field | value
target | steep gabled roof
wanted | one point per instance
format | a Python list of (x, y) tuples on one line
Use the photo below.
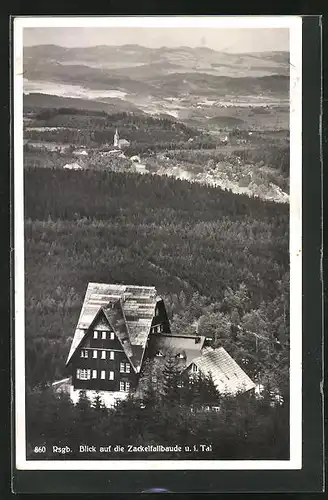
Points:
[(128, 309), (227, 375)]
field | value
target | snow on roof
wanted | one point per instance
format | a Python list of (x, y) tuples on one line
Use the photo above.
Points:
[(228, 376)]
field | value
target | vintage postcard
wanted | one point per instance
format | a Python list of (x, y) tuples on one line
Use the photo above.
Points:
[(157, 213)]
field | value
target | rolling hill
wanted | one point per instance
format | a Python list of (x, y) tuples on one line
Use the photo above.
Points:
[(179, 59)]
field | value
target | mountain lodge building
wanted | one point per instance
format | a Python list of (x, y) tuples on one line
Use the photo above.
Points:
[(119, 327)]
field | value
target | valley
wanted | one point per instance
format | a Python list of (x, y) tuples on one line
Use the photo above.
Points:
[(234, 107)]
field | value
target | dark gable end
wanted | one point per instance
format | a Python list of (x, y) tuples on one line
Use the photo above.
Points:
[(130, 312)]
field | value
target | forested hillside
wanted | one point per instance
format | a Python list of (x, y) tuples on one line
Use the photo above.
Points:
[(216, 257)]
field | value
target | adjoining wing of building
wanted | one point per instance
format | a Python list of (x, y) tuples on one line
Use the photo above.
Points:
[(227, 375), (119, 327)]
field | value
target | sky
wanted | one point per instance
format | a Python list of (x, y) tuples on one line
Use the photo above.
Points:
[(236, 40)]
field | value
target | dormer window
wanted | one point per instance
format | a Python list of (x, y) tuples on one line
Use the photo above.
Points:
[(194, 368), (180, 355), (159, 354)]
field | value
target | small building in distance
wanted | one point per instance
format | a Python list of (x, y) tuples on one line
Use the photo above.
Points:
[(135, 159), (223, 137), (80, 152), (140, 168), (120, 143), (73, 166), (119, 328), (123, 143)]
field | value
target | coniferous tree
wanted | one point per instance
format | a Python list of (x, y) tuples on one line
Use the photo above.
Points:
[(171, 380), (98, 403)]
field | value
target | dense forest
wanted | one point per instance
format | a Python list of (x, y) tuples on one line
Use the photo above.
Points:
[(217, 258), (94, 128), (175, 417)]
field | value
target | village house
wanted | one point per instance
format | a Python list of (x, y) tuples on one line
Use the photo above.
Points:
[(80, 152), (119, 328), (73, 166), (116, 148)]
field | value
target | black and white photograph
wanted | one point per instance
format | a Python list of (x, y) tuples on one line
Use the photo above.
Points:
[(157, 178)]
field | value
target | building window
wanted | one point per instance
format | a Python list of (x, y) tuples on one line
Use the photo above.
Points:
[(103, 335), (94, 354), (102, 374), (159, 354), (84, 353), (180, 356), (112, 335), (111, 375), (94, 373), (103, 354), (95, 334), (124, 367), (124, 386), (83, 374), (194, 368), (111, 355)]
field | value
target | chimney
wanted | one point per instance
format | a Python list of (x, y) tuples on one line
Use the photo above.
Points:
[(195, 325)]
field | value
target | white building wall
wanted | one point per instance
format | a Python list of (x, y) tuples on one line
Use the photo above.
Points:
[(108, 398)]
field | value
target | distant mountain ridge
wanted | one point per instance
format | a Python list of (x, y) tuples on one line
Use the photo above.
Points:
[(199, 59), (184, 82)]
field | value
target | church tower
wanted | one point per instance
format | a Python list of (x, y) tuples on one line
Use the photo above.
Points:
[(116, 140)]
